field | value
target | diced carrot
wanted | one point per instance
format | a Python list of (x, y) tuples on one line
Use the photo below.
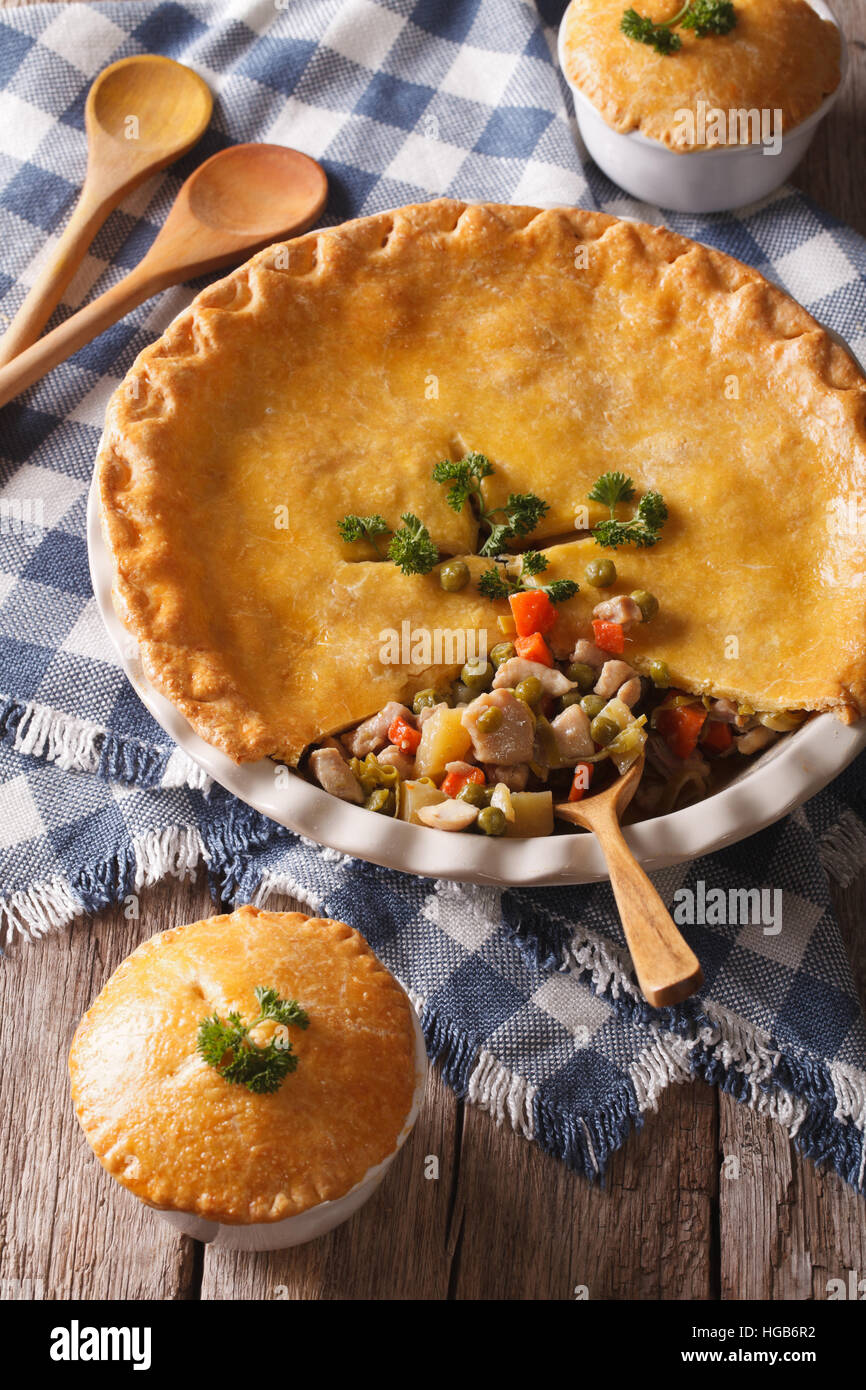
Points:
[(532, 611), (454, 782), (403, 735), (680, 728), (717, 736), (580, 784), (533, 648), (610, 637)]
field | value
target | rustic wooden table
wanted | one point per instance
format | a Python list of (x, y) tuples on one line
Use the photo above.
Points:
[(504, 1221)]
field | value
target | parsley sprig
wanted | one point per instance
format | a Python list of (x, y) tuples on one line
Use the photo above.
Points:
[(703, 17), (520, 515), (643, 529), (497, 583), (411, 547), (225, 1044)]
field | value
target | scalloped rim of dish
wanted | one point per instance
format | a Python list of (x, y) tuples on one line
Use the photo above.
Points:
[(792, 770), (717, 152)]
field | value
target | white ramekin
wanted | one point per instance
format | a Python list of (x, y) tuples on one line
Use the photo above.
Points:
[(316, 1221), (696, 181)]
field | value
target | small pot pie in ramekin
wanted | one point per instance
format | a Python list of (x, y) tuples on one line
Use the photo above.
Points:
[(747, 101), (223, 1162)]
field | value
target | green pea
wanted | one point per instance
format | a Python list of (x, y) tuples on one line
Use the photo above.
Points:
[(489, 720), (571, 697), (503, 651), (592, 705), (425, 699), (659, 674), (529, 690), (462, 694), (477, 675), (491, 821), (583, 675), (475, 794), (381, 800), (454, 575), (601, 573), (647, 603), (603, 730)]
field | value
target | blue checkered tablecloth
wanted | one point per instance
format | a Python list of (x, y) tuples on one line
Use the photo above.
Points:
[(526, 996)]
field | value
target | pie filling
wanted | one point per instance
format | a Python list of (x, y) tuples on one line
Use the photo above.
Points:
[(521, 731)]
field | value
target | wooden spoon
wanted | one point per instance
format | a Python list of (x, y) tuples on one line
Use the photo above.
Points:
[(667, 969), (237, 202), (141, 114)]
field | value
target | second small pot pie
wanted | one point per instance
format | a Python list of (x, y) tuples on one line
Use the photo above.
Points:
[(780, 56), (168, 1125)]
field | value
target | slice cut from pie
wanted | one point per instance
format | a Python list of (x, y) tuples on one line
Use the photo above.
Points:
[(328, 376)]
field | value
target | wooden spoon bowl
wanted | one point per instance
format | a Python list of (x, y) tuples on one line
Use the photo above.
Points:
[(141, 114), (237, 202), (667, 969)]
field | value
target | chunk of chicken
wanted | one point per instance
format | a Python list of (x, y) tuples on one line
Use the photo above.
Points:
[(517, 669), (613, 675), (571, 731), (620, 609), (392, 756), (589, 654), (755, 740), (448, 815), (426, 711), (724, 710), (372, 735), (629, 693), (513, 741), (332, 772), (514, 777)]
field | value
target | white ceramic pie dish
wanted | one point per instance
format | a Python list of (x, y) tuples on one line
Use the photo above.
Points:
[(315, 1221), (700, 181), (770, 786)]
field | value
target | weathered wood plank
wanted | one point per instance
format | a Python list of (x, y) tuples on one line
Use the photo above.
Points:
[(832, 172), (531, 1229), (67, 1227), (787, 1228)]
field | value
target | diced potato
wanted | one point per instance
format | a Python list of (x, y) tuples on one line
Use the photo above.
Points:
[(414, 795), (533, 814), (443, 740)]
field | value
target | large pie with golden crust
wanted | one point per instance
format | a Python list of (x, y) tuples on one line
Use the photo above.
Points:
[(780, 56), (328, 376)]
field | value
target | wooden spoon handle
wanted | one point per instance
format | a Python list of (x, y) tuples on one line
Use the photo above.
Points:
[(74, 332), (667, 969), (44, 296)]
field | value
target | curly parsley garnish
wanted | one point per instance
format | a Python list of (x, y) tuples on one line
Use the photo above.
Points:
[(494, 583), (703, 17), (520, 515), (644, 528), (225, 1044), (411, 547)]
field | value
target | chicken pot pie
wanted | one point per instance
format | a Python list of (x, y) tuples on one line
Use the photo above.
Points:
[(242, 1137), (779, 56), (322, 383)]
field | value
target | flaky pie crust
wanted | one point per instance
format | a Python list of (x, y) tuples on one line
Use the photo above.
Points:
[(781, 55), (327, 376), (167, 1126)]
